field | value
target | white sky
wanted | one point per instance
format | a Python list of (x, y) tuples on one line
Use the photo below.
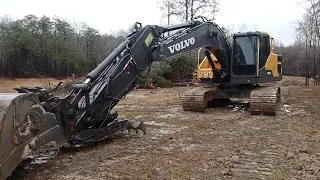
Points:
[(272, 16)]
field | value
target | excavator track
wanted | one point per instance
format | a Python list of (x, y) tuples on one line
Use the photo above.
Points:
[(264, 101), (196, 99)]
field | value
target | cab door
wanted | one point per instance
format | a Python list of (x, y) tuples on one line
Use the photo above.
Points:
[(264, 52)]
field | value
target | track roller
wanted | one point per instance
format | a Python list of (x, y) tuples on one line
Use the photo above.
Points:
[(264, 101), (197, 99)]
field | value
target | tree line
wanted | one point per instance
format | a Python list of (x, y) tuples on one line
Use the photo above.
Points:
[(302, 58), (186, 10), (52, 47)]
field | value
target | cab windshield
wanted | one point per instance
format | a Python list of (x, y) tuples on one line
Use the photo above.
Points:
[(244, 55)]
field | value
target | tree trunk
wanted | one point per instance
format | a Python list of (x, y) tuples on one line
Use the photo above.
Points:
[(191, 12), (187, 10)]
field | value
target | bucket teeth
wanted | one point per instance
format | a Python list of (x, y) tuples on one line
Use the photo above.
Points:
[(264, 101)]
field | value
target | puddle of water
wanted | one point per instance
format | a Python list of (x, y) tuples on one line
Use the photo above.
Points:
[(42, 158), (238, 107), (287, 108)]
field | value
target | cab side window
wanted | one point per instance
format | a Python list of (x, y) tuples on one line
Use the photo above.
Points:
[(264, 50)]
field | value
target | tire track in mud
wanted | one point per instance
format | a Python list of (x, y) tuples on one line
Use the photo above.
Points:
[(271, 147), (245, 147), (258, 158), (251, 147)]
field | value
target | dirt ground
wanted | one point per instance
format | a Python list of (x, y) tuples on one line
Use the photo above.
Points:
[(295, 81), (223, 143), (7, 85)]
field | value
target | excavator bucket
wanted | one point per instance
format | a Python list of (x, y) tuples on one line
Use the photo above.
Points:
[(24, 127)]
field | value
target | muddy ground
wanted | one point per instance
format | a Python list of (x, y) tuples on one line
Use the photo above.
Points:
[(223, 143), (7, 85)]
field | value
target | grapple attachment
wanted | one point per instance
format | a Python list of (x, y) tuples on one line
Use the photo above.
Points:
[(24, 127)]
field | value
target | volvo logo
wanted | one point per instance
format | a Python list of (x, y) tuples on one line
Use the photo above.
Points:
[(181, 45)]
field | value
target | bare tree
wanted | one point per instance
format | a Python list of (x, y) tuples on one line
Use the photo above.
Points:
[(187, 10), (308, 28), (228, 31), (243, 27), (169, 9)]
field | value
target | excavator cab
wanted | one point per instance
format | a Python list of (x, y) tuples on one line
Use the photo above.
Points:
[(253, 59)]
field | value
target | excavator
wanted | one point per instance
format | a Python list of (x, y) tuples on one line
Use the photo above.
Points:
[(250, 68), (34, 116)]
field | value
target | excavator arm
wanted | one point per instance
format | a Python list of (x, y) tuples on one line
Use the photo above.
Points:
[(86, 111), (206, 34), (31, 119)]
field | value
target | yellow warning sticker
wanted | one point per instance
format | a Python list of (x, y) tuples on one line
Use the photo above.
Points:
[(149, 39)]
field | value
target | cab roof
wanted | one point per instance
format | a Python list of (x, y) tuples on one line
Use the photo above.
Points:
[(251, 33)]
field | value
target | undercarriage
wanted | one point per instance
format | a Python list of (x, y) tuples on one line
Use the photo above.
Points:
[(263, 100)]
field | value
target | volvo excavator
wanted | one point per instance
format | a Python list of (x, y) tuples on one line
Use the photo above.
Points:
[(253, 63), (34, 116)]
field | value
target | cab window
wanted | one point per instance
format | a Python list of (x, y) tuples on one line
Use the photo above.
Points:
[(264, 50)]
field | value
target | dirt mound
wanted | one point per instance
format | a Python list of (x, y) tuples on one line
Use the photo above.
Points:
[(294, 81)]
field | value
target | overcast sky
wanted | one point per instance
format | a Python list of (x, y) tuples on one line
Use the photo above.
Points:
[(272, 16)]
